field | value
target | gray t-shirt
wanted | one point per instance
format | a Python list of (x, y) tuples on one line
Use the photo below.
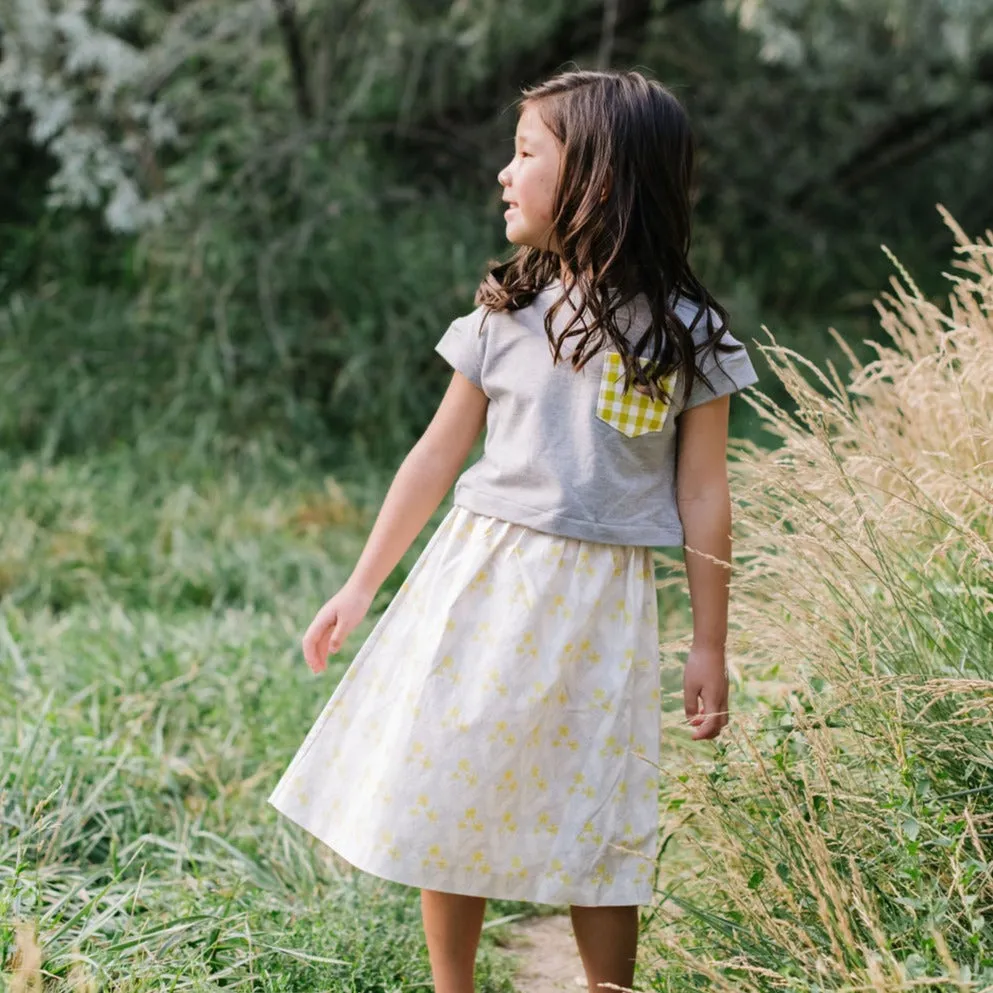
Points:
[(566, 452)]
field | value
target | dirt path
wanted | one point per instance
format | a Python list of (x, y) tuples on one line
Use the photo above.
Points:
[(546, 950)]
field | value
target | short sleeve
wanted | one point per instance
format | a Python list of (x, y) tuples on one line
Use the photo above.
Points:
[(727, 372), (463, 347)]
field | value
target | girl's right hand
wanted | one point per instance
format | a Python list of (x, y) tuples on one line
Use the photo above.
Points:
[(333, 623)]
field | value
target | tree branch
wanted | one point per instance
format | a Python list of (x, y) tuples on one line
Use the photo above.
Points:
[(580, 32), (607, 34), (903, 141), (286, 17), (948, 129)]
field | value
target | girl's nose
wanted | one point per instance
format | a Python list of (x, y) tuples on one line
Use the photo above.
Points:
[(503, 177)]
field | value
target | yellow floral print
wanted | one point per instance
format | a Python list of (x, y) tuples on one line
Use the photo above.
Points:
[(562, 737), (465, 774), (538, 780), (470, 822), (498, 731)]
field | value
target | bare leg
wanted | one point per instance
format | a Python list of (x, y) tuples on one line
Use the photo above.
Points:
[(607, 938), (452, 925)]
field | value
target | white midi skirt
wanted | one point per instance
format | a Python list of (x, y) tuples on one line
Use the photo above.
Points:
[(497, 734)]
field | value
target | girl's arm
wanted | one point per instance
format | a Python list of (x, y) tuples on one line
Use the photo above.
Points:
[(421, 482), (704, 504), (419, 486)]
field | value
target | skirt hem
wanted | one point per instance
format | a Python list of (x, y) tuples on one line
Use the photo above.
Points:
[(495, 889)]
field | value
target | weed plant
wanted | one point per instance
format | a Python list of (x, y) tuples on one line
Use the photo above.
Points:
[(842, 836)]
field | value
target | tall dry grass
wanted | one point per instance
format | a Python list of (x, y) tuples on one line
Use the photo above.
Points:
[(842, 839)]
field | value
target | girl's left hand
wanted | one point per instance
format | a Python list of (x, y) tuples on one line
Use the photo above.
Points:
[(705, 691)]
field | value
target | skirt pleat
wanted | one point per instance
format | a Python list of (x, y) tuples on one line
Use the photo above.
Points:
[(497, 734)]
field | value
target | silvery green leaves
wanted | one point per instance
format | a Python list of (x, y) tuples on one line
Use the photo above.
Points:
[(71, 68), (957, 33)]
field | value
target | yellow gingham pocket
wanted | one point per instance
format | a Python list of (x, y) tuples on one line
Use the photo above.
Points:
[(632, 413)]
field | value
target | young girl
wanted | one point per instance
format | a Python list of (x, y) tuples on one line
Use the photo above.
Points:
[(497, 735)]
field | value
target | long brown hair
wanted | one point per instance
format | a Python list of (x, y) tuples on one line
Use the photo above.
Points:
[(630, 136)]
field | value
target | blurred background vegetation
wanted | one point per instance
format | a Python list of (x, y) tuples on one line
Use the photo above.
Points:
[(231, 232), (245, 213)]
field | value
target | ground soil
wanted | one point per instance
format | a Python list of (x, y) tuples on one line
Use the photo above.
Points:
[(545, 949)]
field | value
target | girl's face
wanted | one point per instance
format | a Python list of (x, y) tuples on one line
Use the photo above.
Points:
[(529, 182)]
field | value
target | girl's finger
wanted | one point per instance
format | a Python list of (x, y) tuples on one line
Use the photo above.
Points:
[(715, 719), (708, 728), (315, 641), (320, 653), (337, 637), (690, 701), (697, 718), (309, 649), (313, 658), (326, 622)]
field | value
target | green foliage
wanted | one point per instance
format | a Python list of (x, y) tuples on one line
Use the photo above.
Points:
[(311, 193), (326, 338), (79, 74), (155, 691), (952, 34)]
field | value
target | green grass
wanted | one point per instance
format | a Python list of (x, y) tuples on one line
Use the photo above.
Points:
[(837, 838), (152, 607)]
